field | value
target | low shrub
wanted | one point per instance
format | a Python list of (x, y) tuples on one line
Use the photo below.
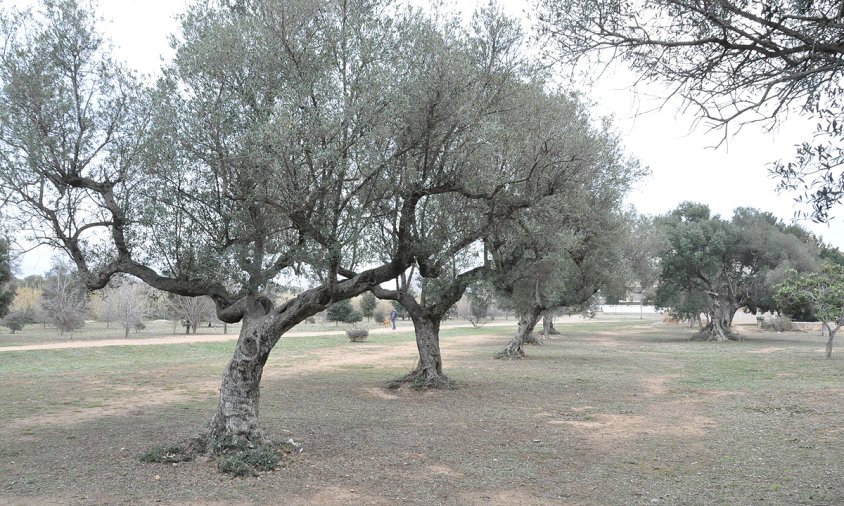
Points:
[(357, 335), (778, 324)]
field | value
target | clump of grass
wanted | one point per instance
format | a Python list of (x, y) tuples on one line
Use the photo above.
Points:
[(166, 454), (246, 459), (250, 462)]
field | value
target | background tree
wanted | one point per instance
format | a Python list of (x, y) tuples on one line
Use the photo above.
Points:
[(190, 311), (368, 303), (560, 253), (733, 61), (823, 292), (716, 266), (128, 303), (7, 286), (339, 311), (65, 299), (15, 321), (480, 300)]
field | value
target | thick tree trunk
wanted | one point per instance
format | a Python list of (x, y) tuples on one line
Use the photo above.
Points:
[(719, 326), (236, 420), (428, 372), (548, 324), (126, 332), (527, 322), (831, 333)]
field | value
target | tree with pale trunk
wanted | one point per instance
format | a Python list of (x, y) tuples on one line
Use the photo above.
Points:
[(279, 141), (823, 292), (735, 62), (127, 303), (191, 312), (64, 298)]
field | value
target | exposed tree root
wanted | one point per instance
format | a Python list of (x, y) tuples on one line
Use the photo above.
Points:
[(510, 353), (533, 338), (423, 380), (715, 334)]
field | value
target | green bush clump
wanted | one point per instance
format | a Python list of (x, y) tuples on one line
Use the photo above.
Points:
[(357, 335)]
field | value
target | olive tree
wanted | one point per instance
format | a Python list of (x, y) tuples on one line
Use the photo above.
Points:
[(562, 252), (280, 140), (718, 266), (823, 292), (733, 61)]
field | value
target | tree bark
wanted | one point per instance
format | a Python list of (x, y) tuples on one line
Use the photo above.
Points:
[(126, 332), (548, 324), (236, 420), (718, 328), (831, 333), (527, 322), (428, 372)]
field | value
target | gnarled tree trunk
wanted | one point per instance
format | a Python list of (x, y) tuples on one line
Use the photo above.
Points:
[(428, 372), (527, 322), (548, 324), (236, 419), (720, 322)]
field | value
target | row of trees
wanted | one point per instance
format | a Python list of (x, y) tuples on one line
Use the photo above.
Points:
[(361, 145), (353, 143), (60, 299)]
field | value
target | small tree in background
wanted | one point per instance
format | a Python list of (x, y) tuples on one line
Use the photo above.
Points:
[(7, 287), (15, 321), (823, 292), (368, 303), (190, 311), (127, 304), (480, 300), (65, 298), (339, 312)]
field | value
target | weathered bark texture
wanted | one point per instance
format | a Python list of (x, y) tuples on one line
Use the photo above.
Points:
[(548, 324), (428, 372), (831, 333), (236, 419), (718, 328), (527, 322)]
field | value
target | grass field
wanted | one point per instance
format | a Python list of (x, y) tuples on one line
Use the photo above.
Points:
[(608, 412)]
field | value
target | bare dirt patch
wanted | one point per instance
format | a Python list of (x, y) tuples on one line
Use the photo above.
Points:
[(653, 420)]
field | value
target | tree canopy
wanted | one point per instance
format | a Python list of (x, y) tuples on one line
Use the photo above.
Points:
[(823, 292), (733, 61), (343, 141), (714, 266)]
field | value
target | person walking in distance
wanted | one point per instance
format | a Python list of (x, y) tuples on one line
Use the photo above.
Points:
[(393, 316)]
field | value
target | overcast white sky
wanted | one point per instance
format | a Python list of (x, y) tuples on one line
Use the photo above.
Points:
[(682, 162)]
